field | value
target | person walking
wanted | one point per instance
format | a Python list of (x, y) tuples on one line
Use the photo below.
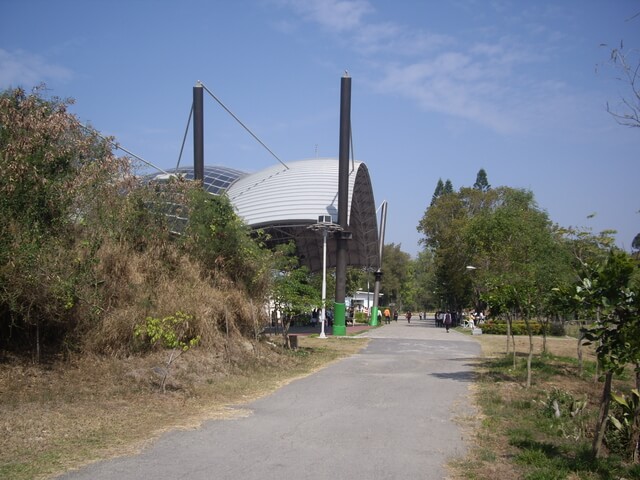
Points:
[(447, 321), (387, 316), (395, 315), (408, 315)]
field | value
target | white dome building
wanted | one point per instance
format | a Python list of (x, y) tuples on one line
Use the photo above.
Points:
[(285, 200)]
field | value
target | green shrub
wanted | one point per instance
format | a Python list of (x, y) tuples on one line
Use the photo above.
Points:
[(218, 239), (517, 328), (172, 332), (619, 429), (556, 329)]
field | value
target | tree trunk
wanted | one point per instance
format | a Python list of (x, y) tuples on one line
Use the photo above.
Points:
[(580, 364), (601, 425), (545, 325), (170, 361), (530, 356), (513, 341), (286, 323), (635, 426), (37, 340), (254, 321), (508, 333), (597, 372)]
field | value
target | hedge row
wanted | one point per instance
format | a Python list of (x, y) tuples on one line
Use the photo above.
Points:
[(520, 328)]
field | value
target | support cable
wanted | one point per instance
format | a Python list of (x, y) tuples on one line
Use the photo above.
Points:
[(184, 139), (117, 146), (242, 124), (353, 155)]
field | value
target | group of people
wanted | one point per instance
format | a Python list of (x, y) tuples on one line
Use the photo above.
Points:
[(316, 313), (387, 315), (473, 319), (445, 319)]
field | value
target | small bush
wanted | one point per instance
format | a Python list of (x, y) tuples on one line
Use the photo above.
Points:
[(619, 429), (557, 329), (517, 328), (173, 331)]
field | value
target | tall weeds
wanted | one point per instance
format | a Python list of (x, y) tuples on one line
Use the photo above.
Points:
[(87, 250)]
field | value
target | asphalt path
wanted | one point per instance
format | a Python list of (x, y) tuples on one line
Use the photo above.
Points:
[(387, 412)]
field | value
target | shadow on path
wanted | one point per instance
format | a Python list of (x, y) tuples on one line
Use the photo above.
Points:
[(462, 376)]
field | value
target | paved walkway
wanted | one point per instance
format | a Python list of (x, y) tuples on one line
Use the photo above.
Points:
[(311, 330), (385, 413)]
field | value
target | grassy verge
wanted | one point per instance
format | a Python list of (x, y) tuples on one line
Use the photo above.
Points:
[(57, 417), (518, 434)]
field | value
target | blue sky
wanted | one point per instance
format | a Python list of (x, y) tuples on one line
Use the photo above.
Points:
[(439, 90)]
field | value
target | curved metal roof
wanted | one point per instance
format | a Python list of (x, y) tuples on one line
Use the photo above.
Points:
[(284, 201), (287, 200)]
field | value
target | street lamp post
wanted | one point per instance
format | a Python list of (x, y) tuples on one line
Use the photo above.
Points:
[(476, 300), (368, 271), (325, 225), (368, 296)]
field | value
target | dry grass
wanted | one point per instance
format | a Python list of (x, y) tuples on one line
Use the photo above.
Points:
[(61, 416), (158, 283), (496, 345)]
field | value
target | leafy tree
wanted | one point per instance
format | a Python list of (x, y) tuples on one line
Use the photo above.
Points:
[(438, 191), (293, 293), (481, 181), (410, 288), (443, 225), (51, 173), (396, 268), (448, 187), (356, 279), (43, 151), (617, 334), (169, 332), (636, 242), (585, 250), (511, 243), (516, 248), (424, 281)]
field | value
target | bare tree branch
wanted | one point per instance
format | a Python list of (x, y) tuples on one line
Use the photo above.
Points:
[(627, 63)]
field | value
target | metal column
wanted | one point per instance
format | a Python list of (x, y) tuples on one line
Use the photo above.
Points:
[(198, 133), (378, 273), (339, 323)]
